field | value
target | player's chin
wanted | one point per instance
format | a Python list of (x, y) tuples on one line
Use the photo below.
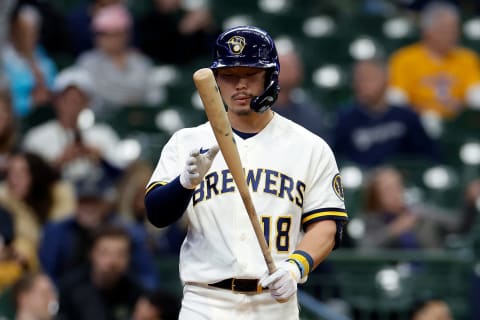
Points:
[(241, 108)]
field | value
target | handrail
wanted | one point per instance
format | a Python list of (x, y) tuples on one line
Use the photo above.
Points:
[(462, 255)]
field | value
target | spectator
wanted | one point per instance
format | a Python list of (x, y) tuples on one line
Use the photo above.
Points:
[(76, 151), (121, 75), (6, 7), (418, 5), (35, 298), (172, 34), (28, 68), (288, 105), (53, 33), (102, 290), (8, 130), (371, 132), (156, 305), (34, 185), (34, 195), (431, 309), (65, 243), (391, 222), (79, 22), (442, 77)]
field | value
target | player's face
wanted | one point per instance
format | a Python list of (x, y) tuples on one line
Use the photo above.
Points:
[(239, 85)]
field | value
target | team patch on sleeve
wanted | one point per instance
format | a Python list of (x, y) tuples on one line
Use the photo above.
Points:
[(323, 214), (337, 186)]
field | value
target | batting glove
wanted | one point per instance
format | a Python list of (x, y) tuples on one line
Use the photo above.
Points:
[(283, 282), (197, 165)]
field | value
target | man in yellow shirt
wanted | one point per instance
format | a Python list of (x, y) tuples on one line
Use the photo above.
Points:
[(435, 74)]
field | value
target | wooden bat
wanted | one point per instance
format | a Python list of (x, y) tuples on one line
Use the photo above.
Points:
[(216, 114)]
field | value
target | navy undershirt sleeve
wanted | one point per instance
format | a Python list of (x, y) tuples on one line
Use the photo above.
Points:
[(165, 204)]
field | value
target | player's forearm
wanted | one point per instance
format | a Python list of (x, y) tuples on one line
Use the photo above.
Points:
[(166, 204), (319, 241)]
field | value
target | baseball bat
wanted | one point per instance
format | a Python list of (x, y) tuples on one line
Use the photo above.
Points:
[(207, 88)]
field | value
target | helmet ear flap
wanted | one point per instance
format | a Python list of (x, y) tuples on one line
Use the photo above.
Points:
[(264, 101)]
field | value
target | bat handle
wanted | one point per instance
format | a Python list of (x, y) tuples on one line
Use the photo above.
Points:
[(271, 266)]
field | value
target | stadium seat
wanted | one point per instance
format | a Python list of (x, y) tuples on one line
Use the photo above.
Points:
[(133, 119), (383, 281), (36, 117), (168, 269)]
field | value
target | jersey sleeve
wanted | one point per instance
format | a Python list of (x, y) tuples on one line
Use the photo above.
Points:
[(324, 198)]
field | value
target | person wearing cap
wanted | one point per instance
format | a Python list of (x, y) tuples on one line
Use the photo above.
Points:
[(79, 19), (74, 148), (121, 75)]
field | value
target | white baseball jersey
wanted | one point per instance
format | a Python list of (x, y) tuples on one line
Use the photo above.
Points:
[(293, 179)]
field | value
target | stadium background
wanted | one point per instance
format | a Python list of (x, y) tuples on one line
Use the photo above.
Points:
[(331, 36)]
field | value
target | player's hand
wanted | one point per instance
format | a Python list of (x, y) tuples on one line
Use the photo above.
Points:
[(283, 282), (197, 165)]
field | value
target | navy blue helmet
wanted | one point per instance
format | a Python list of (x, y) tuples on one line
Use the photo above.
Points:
[(248, 46)]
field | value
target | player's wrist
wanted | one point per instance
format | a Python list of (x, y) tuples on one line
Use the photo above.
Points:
[(303, 261), (185, 181)]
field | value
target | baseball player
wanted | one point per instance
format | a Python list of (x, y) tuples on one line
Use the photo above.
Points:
[(293, 179)]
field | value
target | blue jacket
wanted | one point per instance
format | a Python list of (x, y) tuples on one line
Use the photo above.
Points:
[(373, 139)]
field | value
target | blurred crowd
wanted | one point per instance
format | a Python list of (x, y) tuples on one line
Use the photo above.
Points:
[(74, 241)]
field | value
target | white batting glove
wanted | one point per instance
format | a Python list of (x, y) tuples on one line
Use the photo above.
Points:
[(283, 282), (197, 165)]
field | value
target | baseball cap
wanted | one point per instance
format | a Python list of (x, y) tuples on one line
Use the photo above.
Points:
[(98, 184), (74, 77), (112, 18)]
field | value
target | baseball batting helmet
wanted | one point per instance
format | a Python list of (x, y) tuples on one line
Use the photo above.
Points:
[(248, 46)]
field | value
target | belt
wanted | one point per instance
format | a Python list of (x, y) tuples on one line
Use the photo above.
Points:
[(239, 285)]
